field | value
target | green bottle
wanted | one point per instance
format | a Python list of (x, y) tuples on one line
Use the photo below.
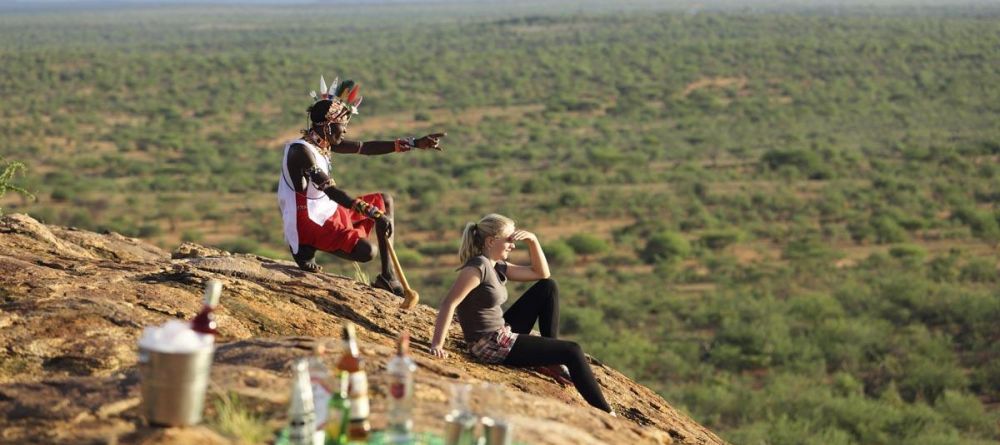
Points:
[(339, 413)]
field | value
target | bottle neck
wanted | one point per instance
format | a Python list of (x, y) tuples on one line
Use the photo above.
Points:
[(403, 345), (212, 291), (351, 346), (345, 383)]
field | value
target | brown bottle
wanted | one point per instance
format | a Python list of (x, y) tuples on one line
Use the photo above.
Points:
[(359, 427), (204, 322)]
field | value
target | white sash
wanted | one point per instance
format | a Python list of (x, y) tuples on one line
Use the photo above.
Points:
[(320, 206)]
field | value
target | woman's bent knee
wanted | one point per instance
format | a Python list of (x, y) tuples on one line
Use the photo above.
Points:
[(548, 286)]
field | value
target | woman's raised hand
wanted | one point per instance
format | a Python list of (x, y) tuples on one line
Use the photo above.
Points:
[(524, 235)]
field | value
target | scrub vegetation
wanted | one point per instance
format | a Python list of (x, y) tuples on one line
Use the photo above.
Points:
[(785, 222)]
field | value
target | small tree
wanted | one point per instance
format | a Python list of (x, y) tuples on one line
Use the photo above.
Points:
[(7, 175), (665, 246), (587, 244), (719, 239), (560, 253)]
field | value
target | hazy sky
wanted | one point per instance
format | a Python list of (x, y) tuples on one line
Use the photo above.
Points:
[(579, 5)]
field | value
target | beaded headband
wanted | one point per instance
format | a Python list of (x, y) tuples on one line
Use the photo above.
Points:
[(344, 97)]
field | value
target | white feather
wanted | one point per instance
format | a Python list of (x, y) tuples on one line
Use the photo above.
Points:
[(322, 85)]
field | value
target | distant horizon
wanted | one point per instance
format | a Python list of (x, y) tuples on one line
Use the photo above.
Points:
[(711, 4)]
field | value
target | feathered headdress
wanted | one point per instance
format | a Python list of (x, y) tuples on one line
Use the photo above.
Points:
[(344, 98)]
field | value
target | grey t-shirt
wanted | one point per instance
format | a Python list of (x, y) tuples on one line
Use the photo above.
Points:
[(480, 312)]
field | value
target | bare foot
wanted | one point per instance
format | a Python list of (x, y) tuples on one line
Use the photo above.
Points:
[(310, 266), (306, 259)]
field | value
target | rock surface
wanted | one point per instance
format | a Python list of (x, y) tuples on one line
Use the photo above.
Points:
[(73, 303)]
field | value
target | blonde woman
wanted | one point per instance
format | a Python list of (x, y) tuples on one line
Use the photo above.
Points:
[(495, 336)]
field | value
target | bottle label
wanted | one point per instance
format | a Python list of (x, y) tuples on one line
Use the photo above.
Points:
[(301, 428), (321, 397), (397, 390), (401, 386), (359, 395)]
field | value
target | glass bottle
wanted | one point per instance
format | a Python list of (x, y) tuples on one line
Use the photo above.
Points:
[(496, 428), (460, 423), (301, 415), (359, 426), (319, 379), (339, 412), (400, 369), (205, 322)]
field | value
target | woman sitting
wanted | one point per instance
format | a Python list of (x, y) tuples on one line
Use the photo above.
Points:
[(495, 336)]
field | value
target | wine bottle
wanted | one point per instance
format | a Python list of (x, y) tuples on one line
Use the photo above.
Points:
[(339, 412), (400, 369), (359, 426), (205, 322)]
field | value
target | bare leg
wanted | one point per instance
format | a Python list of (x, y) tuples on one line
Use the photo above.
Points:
[(363, 252), (383, 240), (387, 278)]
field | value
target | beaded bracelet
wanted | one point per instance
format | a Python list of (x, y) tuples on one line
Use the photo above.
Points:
[(404, 144), (367, 209)]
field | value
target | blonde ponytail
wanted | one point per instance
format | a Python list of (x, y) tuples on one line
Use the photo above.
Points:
[(468, 248), (474, 234)]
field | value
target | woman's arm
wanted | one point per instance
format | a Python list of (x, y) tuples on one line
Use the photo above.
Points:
[(467, 280), (539, 268)]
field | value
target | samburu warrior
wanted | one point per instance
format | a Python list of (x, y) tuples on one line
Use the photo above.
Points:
[(317, 214)]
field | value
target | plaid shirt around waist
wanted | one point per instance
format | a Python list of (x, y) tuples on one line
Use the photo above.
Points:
[(494, 347)]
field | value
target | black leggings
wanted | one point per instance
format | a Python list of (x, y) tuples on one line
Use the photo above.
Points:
[(541, 303)]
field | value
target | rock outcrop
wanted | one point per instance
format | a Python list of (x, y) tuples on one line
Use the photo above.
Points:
[(73, 303)]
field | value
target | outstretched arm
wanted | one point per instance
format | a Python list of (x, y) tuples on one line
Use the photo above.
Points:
[(372, 148), (303, 167), (467, 280)]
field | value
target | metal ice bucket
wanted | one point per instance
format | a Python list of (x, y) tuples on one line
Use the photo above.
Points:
[(173, 386)]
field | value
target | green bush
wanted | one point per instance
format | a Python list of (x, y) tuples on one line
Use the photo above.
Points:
[(966, 413), (408, 258), (665, 246), (587, 244), (980, 270), (909, 253), (981, 222), (192, 236), (805, 162), (943, 268), (438, 248), (560, 253), (888, 231), (807, 248), (720, 239), (149, 230)]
